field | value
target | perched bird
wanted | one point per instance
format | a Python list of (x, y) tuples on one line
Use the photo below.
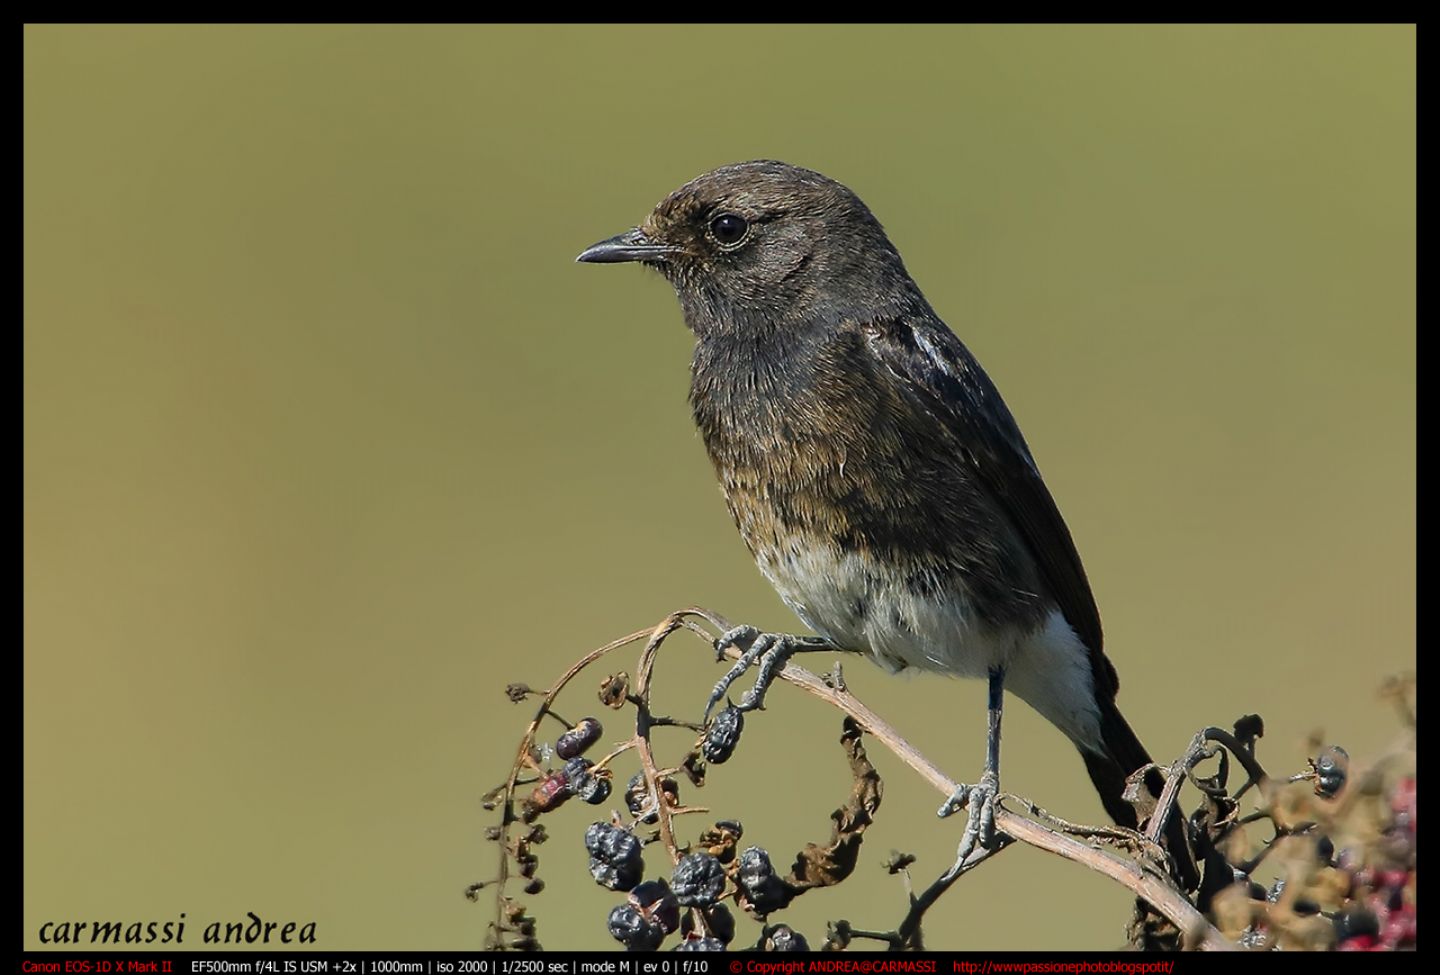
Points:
[(871, 466)]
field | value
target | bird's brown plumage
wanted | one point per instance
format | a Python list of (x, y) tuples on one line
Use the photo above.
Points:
[(868, 461)]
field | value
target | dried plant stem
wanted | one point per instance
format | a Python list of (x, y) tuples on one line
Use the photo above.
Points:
[(1145, 881), (642, 731), (1155, 890), (523, 760)]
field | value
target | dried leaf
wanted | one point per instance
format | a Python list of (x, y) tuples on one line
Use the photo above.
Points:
[(825, 866)]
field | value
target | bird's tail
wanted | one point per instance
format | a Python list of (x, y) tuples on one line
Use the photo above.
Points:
[(1109, 769), (1123, 754)]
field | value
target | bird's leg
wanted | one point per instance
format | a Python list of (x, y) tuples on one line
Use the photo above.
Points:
[(980, 798), (772, 650)]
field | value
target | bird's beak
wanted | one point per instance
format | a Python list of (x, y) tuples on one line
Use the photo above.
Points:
[(632, 245)]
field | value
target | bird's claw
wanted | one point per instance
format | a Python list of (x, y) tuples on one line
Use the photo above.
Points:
[(770, 649), (979, 832), (736, 636)]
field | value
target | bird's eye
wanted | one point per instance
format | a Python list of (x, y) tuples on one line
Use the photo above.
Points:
[(729, 228)]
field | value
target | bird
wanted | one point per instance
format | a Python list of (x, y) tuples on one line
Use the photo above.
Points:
[(875, 474)]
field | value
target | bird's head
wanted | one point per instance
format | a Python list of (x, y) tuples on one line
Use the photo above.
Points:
[(762, 245)]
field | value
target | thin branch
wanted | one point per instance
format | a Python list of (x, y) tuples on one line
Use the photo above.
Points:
[(1156, 891), (642, 730), (1148, 884), (910, 927), (522, 759)]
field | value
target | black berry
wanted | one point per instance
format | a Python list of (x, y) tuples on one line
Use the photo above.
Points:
[(723, 735), (782, 937), (591, 786), (579, 738), (615, 860), (698, 880), (657, 902), (634, 930), (764, 892), (1331, 769)]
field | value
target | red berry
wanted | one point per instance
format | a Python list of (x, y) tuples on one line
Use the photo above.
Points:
[(1402, 800), (1399, 929), (552, 791), (1391, 879)]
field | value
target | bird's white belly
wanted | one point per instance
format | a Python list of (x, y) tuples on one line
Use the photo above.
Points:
[(847, 599)]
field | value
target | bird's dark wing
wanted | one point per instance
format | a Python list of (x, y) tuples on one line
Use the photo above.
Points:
[(941, 377)]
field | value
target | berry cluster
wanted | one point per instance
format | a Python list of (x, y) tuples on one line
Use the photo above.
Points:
[(709, 872), (614, 856), (1380, 913), (698, 882), (578, 777), (711, 875), (1358, 897)]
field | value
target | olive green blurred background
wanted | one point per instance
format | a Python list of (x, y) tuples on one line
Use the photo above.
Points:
[(327, 439)]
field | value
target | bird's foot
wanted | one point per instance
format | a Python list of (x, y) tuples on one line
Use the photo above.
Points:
[(980, 826), (772, 650)]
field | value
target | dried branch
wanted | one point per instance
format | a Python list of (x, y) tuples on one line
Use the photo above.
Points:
[(1147, 885), (1135, 860)]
